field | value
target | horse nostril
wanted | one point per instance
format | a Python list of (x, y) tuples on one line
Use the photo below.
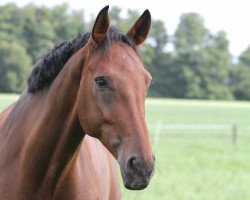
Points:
[(132, 163), (138, 166)]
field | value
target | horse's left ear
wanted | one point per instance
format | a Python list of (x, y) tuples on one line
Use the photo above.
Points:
[(101, 25), (139, 32)]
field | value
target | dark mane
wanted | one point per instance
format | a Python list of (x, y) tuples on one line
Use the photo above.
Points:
[(49, 65)]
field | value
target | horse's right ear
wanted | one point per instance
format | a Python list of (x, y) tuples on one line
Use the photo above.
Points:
[(101, 25)]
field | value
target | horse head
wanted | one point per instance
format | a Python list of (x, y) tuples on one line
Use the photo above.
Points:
[(111, 97)]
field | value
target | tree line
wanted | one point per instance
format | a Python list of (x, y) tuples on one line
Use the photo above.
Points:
[(199, 66)]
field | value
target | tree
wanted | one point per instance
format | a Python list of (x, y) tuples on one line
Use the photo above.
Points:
[(156, 59), (37, 31), (28, 32), (191, 33), (244, 58), (215, 68), (73, 22), (11, 22), (240, 76), (46, 26), (199, 67), (240, 82), (15, 66), (203, 61)]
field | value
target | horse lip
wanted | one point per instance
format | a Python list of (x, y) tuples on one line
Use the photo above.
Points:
[(135, 182), (135, 185)]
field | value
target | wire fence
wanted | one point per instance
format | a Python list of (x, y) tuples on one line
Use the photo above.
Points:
[(230, 133)]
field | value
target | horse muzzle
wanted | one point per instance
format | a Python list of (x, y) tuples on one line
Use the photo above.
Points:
[(137, 173)]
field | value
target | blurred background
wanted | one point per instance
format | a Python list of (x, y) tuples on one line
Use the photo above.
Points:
[(198, 110)]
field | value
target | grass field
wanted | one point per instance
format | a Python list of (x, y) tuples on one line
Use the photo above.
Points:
[(195, 164)]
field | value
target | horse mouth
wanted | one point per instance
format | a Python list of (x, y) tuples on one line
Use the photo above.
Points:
[(136, 181), (137, 184)]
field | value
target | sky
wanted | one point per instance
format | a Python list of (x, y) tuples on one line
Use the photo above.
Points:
[(232, 16)]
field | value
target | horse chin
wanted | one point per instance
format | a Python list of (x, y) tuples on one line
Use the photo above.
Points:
[(135, 182), (137, 185)]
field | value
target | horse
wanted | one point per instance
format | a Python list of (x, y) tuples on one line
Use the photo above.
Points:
[(4, 114), (93, 85), (106, 162)]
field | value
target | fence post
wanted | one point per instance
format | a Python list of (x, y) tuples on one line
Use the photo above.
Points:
[(234, 134)]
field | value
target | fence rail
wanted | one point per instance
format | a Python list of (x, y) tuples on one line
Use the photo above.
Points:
[(161, 129), (191, 126)]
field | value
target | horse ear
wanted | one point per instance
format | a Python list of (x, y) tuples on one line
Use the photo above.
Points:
[(138, 33), (101, 25)]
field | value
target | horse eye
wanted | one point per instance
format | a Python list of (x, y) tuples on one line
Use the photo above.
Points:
[(101, 82)]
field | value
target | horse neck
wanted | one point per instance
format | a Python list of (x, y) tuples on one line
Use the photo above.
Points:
[(57, 134)]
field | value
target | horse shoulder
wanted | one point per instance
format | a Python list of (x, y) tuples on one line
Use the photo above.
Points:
[(104, 168), (93, 176)]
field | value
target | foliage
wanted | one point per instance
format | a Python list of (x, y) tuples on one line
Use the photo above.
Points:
[(199, 66), (28, 32), (15, 66), (203, 60), (191, 33), (240, 76)]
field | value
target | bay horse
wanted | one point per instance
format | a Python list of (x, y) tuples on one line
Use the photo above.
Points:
[(4, 114), (106, 162), (93, 85)]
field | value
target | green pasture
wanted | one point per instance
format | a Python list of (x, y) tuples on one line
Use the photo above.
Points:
[(198, 164), (195, 164)]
